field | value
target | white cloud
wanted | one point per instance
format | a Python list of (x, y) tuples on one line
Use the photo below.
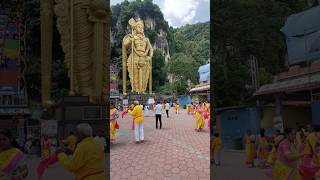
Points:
[(179, 11)]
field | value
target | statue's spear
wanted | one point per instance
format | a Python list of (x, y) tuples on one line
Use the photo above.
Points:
[(132, 46)]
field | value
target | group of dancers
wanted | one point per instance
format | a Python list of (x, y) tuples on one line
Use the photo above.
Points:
[(201, 113), (136, 111), (83, 156), (294, 154)]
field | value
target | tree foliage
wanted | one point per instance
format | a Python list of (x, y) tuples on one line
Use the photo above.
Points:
[(245, 28), (159, 74), (194, 41), (183, 68)]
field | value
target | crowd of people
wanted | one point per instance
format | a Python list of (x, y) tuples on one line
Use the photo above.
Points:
[(201, 114), (81, 153), (200, 111), (293, 154)]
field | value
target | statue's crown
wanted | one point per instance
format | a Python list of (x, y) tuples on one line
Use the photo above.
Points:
[(133, 23)]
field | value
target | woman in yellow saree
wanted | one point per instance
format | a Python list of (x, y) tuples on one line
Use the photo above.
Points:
[(286, 165), (262, 151), (273, 154), (188, 108), (113, 123), (199, 119), (176, 108), (249, 141), (12, 163)]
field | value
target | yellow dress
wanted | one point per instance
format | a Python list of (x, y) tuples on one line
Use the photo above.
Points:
[(311, 141), (263, 148), (176, 108), (211, 148), (202, 122), (11, 161), (272, 156), (87, 162), (113, 129), (217, 144), (250, 149), (199, 120), (137, 114), (282, 170)]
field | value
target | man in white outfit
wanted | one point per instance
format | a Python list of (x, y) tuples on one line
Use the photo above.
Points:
[(158, 110)]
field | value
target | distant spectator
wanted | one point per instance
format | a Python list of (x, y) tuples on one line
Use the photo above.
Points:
[(158, 110)]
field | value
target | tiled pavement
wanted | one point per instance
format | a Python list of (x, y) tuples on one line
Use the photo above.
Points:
[(174, 152)]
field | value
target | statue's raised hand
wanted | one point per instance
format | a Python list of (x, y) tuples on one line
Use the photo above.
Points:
[(127, 40)]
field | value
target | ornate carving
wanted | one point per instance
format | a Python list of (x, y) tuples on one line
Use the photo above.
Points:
[(98, 11), (79, 39)]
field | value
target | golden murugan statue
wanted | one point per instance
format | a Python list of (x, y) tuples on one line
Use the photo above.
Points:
[(139, 61), (83, 25)]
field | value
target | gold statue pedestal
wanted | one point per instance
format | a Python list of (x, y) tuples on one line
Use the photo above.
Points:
[(142, 98)]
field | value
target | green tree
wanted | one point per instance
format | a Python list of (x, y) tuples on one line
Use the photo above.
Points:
[(159, 75), (193, 40), (183, 68), (242, 28)]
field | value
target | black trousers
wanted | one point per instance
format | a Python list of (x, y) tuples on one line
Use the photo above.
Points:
[(158, 117), (167, 111)]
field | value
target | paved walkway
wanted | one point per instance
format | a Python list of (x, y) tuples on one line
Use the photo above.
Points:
[(233, 167), (174, 152)]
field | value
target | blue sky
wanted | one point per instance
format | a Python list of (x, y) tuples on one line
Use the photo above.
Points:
[(181, 12)]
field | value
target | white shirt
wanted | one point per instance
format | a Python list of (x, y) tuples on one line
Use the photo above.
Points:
[(167, 106), (158, 109)]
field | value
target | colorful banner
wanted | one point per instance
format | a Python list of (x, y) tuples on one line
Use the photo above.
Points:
[(114, 80), (11, 53)]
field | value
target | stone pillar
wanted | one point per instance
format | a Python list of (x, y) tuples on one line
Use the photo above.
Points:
[(46, 17), (98, 15), (98, 59)]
